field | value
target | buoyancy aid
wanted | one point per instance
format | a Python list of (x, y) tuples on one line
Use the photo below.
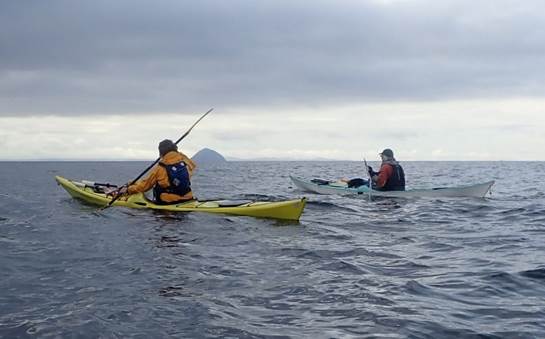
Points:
[(396, 181), (178, 178)]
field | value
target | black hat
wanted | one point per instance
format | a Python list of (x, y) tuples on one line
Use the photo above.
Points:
[(166, 146), (388, 152)]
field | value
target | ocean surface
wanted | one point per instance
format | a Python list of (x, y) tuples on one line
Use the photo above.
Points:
[(351, 268)]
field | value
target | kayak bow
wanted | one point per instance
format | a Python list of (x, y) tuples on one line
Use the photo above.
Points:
[(288, 209)]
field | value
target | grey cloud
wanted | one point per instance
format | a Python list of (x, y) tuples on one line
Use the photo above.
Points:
[(80, 57)]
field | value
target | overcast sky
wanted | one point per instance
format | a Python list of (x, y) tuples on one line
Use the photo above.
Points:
[(433, 80)]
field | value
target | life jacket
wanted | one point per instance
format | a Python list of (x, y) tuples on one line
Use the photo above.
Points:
[(396, 182), (178, 179)]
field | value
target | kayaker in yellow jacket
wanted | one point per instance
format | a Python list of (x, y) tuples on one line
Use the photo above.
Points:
[(170, 178)]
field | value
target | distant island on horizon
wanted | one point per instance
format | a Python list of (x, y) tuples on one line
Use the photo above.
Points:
[(207, 157)]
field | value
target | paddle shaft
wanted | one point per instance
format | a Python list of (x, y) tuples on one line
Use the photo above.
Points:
[(158, 159), (369, 176)]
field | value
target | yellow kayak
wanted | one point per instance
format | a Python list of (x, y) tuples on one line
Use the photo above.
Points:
[(91, 193)]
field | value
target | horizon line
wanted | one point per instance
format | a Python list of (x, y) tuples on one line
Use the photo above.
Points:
[(257, 160)]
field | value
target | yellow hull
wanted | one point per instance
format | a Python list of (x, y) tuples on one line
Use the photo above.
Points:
[(288, 210)]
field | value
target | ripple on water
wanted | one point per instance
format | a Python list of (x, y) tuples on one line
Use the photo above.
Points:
[(536, 274)]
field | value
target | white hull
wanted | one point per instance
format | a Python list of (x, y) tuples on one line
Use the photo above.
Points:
[(477, 190)]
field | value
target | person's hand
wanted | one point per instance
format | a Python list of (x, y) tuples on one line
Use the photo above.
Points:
[(123, 190), (119, 192)]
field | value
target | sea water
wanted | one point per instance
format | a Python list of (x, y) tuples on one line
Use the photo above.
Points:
[(386, 268)]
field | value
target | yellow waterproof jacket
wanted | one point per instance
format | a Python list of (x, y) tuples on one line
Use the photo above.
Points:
[(158, 175)]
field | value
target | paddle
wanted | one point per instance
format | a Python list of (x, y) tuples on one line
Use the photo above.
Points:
[(369, 176), (156, 161)]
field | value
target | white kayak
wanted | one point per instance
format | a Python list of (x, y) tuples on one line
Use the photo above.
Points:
[(324, 187)]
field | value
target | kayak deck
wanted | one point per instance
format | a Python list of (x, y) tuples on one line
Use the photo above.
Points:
[(477, 190), (288, 209)]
